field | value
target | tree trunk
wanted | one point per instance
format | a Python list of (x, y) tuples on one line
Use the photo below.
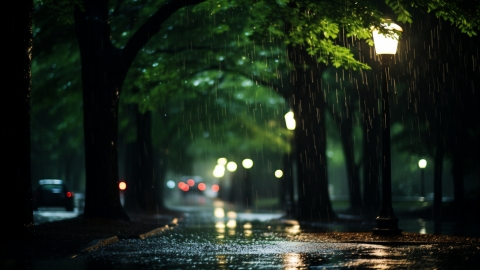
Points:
[(131, 157), (147, 195), (371, 156), (353, 175), (102, 79), (16, 124), (287, 192), (308, 105), (160, 161), (104, 69), (458, 158), (437, 181)]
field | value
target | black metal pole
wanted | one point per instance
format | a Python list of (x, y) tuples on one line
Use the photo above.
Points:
[(423, 183), (387, 222), (248, 203)]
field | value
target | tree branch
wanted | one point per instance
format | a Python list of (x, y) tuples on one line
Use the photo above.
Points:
[(151, 27)]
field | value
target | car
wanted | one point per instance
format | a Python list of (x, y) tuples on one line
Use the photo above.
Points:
[(53, 193)]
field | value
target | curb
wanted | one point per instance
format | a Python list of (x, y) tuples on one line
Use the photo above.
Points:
[(95, 244), (143, 236)]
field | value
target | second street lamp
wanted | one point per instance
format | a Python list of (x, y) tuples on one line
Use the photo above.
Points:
[(422, 163), (247, 164), (288, 192), (386, 47)]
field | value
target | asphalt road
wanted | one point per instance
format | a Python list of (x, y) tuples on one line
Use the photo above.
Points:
[(212, 237)]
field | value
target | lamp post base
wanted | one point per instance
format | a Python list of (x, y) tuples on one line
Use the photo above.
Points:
[(387, 226)]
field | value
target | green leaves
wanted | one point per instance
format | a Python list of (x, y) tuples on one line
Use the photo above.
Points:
[(462, 14), (63, 9), (400, 9)]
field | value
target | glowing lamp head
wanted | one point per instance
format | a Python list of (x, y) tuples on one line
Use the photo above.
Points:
[(231, 166), (386, 44), (247, 163), (122, 185), (422, 163), (290, 120)]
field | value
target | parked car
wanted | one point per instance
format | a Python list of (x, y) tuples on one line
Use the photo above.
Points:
[(53, 193)]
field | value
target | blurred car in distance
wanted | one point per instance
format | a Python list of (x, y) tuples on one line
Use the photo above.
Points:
[(53, 193)]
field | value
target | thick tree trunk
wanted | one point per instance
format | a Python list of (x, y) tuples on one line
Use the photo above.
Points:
[(104, 69), (17, 203), (371, 156), (101, 78), (308, 105), (147, 184)]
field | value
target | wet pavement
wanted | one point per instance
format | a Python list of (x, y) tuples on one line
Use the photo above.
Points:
[(216, 237), (191, 249)]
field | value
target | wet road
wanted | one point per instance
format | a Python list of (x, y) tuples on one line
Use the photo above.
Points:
[(221, 239), (216, 237), (207, 248)]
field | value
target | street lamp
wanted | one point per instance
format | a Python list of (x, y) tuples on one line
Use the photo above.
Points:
[(288, 190), (290, 120), (248, 164), (386, 47), (219, 172), (422, 163), (232, 167)]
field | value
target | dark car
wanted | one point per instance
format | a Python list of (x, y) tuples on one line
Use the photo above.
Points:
[(53, 193)]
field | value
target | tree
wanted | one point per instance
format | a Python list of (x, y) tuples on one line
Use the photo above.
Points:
[(438, 112), (206, 85), (56, 109), (16, 131), (310, 31), (310, 28), (104, 68)]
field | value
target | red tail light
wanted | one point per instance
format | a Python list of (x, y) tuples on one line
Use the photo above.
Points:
[(69, 194)]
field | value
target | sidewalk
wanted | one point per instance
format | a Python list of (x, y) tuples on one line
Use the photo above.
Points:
[(69, 237)]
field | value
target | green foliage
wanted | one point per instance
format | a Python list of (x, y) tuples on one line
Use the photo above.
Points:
[(463, 14), (215, 59), (56, 98), (399, 8), (63, 9), (207, 82)]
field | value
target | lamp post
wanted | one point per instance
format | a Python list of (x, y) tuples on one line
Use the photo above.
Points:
[(288, 163), (232, 167), (248, 164), (422, 163), (386, 47), (219, 173)]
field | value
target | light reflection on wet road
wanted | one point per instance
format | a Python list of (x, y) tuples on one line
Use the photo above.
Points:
[(203, 248), (204, 241), (215, 237)]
